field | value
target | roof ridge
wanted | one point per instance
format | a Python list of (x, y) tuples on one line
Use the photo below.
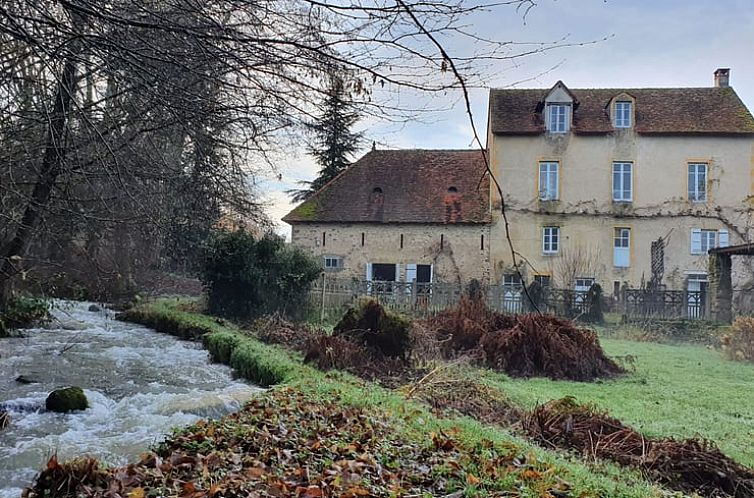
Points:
[(544, 89)]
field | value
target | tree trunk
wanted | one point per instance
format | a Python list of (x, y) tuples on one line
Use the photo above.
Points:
[(11, 255)]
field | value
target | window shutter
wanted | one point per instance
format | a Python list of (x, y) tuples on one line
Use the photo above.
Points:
[(398, 272), (722, 238), (621, 257), (411, 272), (369, 272), (696, 241)]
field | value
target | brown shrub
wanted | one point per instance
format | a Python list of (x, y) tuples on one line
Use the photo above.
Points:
[(739, 343), (460, 328), (547, 346), (275, 329), (531, 345), (686, 465), (328, 352)]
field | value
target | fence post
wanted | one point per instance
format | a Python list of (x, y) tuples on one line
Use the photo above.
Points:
[(322, 309)]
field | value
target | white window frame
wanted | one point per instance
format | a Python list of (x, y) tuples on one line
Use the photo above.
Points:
[(543, 279), (550, 240), (621, 247), (583, 284), (328, 260), (623, 173), (697, 192), (703, 240), (558, 117), (708, 240), (549, 180), (623, 111), (511, 280)]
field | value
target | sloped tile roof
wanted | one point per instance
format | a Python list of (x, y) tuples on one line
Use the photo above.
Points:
[(714, 110), (403, 186)]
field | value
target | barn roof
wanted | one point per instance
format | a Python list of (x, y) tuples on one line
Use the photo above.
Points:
[(403, 186)]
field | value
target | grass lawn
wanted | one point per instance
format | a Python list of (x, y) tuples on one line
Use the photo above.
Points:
[(676, 390)]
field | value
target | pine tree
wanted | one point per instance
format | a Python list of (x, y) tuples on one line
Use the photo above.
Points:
[(333, 142)]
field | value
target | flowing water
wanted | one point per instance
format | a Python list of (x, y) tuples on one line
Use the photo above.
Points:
[(139, 383)]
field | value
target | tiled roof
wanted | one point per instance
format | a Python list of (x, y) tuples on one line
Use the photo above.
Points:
[(403, 186), (714, 110)]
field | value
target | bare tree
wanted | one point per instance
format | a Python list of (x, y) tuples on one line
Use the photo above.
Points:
[(124, 123), (579, 261)]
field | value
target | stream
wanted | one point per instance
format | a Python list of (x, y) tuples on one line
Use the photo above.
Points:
[(140, 384)]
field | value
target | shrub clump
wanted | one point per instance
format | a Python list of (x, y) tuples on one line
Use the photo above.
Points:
[(21, 311), (687, 465), (530, 345), (547, 346), (385, 333), (247, 277), (739, 343)]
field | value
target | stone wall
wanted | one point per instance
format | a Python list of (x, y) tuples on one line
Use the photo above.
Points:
[(458, 253)]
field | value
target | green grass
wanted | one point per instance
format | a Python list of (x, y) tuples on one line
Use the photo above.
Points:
[(410, 420), (676, 390)]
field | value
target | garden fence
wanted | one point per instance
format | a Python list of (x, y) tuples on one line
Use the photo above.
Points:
[(329, 297)]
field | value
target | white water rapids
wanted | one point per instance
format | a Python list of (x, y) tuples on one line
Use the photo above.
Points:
[(139, 383)]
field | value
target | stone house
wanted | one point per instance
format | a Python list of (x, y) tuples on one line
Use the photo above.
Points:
[(615, 186), (593, 179), (401, 215)]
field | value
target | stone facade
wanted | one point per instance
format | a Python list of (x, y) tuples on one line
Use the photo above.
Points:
[(457, 253)]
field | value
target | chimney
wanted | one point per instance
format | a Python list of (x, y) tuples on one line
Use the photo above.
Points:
[(722, 77)]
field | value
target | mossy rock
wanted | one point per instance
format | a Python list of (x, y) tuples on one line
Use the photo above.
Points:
[(67, 399)]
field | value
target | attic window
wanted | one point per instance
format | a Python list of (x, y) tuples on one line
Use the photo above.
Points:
[(623, 113), (452, 190), (558, 118), (377, 197)]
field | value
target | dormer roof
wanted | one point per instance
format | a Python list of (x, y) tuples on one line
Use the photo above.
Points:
[(672, 111)]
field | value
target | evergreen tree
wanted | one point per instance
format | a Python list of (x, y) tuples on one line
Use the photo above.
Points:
[(333, 142)]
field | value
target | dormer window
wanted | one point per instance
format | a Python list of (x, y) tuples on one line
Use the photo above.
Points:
[(558, 118), (623, 113)]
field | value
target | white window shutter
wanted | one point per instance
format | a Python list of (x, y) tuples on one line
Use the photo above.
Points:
[(621, 257), (398, 272), (411, 272), (369, 272), (696, 241), (722, 238)]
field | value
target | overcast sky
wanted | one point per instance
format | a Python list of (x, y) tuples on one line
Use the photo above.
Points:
[(646, 43)]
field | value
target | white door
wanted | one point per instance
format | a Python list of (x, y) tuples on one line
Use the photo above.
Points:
[(697, 290)]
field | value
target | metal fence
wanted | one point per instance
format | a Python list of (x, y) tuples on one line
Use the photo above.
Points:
[(642, 303), (329, 297)]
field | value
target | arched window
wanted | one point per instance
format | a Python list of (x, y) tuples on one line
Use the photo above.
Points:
[(452, 190)]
